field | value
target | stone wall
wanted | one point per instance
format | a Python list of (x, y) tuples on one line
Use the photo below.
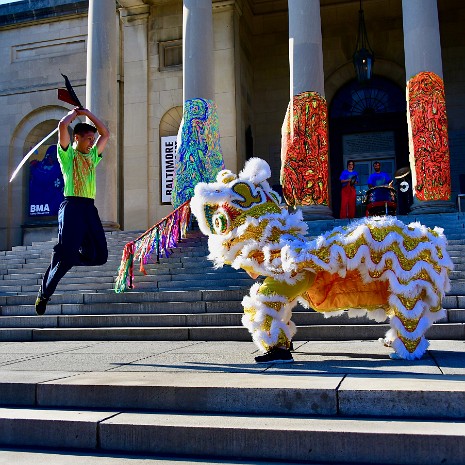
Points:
[(251, 69), (33, 55)]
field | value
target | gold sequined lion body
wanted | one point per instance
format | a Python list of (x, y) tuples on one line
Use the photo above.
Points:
[(377, 267)]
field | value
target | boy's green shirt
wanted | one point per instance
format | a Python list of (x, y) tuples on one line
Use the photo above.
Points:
[(79, 171)]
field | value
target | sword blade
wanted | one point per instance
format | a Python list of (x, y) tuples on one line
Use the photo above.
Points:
[(26, 157)]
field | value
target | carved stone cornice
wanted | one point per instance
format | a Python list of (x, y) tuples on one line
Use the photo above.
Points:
[(134, 14)]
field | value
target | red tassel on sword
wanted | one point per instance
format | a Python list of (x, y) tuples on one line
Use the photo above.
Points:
[(68, 95)]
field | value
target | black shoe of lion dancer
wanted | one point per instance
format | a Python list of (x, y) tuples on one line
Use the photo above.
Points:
[(275, 355)]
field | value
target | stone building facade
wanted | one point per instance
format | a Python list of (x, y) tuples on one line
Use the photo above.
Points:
[(125, 60)]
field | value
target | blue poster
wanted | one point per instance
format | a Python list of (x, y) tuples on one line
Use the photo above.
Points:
[(45, 184)]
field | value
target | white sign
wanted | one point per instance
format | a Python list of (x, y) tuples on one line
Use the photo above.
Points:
[(404, 186), (168, 163)]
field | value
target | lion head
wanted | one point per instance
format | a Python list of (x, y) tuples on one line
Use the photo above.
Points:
[(222, 206)]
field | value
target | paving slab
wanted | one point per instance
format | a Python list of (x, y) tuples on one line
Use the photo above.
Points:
[(449, 356), (259, 393), (292, 438), (147, 348), (74, 362), (220, 362), (114, 334), (434, 396), (19, 388), (40, 348), (56, 428), (352, 357), (60, 457), (339, 357)]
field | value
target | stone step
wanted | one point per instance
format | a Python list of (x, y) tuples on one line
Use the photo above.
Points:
[(164, 273), (219, 300), (264, 437), (197, 314), (68, 457), (176, 269), (451, 331), (113, 262), (170, 264), (168, 307), (130, 296), (328, 395), (220, 283), (458, 287), (84, 278)]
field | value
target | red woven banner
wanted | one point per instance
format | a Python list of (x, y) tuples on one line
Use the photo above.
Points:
[(304, 151), (429, 137)]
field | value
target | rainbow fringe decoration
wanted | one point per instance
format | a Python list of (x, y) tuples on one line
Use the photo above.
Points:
[(160, 238)]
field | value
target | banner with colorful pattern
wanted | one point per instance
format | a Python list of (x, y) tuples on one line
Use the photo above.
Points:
[(199, 157), (304, 151), (428, 136)]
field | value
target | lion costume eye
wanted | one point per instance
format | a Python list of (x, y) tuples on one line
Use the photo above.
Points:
[(220, 222)]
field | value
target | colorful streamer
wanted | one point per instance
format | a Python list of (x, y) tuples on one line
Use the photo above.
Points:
[(199, 157), (428, 136), (159, 239), (304, 151)]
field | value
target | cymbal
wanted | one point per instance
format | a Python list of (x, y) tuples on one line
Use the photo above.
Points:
[(402, 172)]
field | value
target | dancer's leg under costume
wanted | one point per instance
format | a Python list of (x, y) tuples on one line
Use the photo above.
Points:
[(268, 311), (81, 241)]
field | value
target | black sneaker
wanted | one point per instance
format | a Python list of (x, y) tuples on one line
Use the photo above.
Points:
[(275, 355), (291, 346), (41, 303)]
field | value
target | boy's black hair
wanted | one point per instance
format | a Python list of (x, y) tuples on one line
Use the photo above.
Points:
[(81, 128), (350, 161)]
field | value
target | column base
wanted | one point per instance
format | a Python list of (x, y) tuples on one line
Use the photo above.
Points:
[(432, 206), (110, 226), (316, 212)]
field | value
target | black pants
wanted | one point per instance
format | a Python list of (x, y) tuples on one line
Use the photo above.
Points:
[(81, 241)]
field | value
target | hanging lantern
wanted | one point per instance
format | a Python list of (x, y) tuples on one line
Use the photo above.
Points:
[(363, 57)]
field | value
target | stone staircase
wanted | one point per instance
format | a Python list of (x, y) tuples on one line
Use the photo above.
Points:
[(181, 298), (260, 414), (274, 418)]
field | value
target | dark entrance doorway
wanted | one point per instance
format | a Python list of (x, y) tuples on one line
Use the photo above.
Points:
[(366, 123)]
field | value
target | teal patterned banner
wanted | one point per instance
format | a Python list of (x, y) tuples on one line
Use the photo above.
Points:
[(199, 157)]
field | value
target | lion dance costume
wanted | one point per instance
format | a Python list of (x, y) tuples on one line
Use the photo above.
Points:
[(376, 266)]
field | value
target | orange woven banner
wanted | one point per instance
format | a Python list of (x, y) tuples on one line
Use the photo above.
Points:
[(304, 151)]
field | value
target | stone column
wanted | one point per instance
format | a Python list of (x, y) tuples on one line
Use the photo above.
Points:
[(426, 108), (199, 157), (136, 117), (197, 49), (304, 149), (102, 100)]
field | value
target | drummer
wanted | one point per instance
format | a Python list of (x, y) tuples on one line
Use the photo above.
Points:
[(378, 178)]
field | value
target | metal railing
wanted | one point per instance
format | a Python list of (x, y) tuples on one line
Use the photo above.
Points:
[(161, 238)]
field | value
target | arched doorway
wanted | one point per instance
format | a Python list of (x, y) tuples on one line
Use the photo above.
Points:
[(366, 123)]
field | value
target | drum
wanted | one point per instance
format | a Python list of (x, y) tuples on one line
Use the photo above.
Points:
[(381, 200)]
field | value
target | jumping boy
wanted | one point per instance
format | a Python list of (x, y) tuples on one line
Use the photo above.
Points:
[(81, 238)]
